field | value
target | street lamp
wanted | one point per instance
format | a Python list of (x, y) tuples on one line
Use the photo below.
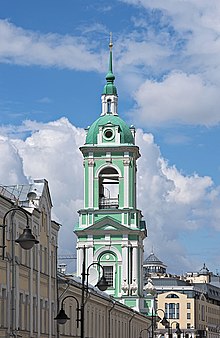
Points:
[(147, 329), (178, 331), (102, 285), (168, 325), (62, 316), (26, 240), (165, 322)]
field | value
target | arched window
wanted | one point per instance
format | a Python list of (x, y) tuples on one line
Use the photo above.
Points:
[(108, 188), (172, 295), (108, 261), (108, 106)]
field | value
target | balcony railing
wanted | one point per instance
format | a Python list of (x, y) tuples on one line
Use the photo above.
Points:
[(108, 203)]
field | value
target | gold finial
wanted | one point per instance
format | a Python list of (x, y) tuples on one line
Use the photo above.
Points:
[(110, 43)]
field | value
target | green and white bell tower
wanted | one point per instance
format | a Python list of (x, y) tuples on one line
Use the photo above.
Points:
[(110, 229)]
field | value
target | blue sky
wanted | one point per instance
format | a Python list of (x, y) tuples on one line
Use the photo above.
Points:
[(53, 61)]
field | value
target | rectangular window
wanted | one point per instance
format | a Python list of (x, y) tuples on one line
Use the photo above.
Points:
[(45, 260), (26, 316), (108, 272), (188, 306), (41, 258), (20, 311), (41, 316), (3, 308), (203, 312), (188, 315), (34, 314), (172, 310)]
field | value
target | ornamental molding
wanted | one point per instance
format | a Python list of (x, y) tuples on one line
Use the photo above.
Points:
[(91, 163), (126, 162)]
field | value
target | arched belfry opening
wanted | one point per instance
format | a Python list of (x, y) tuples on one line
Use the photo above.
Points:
[(108, 106), (108, 188)]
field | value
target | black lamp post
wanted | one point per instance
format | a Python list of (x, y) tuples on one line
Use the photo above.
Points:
[(62, 316), (102, 284), (165, 322), (26, 241), (178, 331), (147, 329)]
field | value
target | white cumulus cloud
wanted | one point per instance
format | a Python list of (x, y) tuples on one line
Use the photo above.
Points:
[(180, 98), (172, 204)]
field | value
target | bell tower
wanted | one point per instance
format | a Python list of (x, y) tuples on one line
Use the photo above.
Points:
[(110, 225)]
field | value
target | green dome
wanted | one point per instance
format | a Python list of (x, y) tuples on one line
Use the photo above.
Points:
[(125, 132)]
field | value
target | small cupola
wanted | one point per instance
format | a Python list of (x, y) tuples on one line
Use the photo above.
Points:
[(109, 95)]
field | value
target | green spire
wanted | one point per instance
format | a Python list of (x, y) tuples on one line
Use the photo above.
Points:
[(110, 88)]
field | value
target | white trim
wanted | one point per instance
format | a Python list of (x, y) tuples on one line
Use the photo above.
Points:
[(104, 249), (107, 165)]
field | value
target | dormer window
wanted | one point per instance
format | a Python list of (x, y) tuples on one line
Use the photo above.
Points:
[(108, 106)]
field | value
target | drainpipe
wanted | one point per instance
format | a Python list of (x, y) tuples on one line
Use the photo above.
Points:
[(109, 318), (13, 277), (129, 325), (57, 287)]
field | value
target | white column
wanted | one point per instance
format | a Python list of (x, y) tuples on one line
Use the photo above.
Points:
[(125, 258), (90, 181), (135, 263), (104, 105), (126, 163), (89, 249), (115, 105), (79, 260)]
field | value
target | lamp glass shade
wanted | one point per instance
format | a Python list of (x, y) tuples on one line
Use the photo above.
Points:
[(165, 322), (27, 239), (61, 317), (178, 331), (102, 284)]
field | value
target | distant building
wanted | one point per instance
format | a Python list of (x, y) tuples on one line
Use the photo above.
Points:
[(152, 266), (191, 301)]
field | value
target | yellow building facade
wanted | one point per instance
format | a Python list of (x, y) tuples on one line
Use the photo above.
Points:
[(28, 287)]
